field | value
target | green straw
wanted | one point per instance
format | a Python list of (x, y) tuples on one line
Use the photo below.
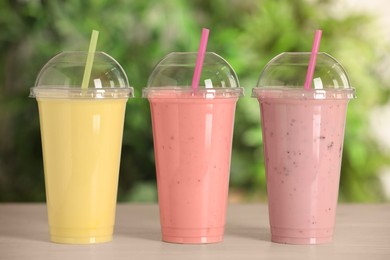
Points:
[(90, 57)]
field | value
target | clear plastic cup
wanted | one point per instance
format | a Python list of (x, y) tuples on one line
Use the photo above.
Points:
[(81, 133), (303, 133), (192, 133)]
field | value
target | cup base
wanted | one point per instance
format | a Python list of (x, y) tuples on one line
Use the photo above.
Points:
[(80, 236), (301, 240), (192, 235), (80, 240), (301, 236), (192, 240)]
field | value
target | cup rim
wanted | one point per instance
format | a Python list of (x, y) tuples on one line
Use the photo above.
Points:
[(77, 93), (177, 92), (301, 93)]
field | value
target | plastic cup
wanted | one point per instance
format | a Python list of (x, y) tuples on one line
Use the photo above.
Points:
[(192, 133), (81, 133), (303, 133)]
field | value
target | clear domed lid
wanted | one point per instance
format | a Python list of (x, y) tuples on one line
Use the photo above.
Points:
[(284, 77), (172, 76), (62, 77)]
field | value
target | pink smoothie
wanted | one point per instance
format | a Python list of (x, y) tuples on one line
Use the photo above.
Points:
[(303, 144), (192, 142)]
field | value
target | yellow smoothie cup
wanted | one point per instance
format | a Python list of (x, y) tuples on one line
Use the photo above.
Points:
[(81, 131)]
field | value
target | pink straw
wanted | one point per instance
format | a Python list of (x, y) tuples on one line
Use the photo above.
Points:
[(313, 57), (200, 59)]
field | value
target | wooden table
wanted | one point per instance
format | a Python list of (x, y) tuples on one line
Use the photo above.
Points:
[(362, 232)]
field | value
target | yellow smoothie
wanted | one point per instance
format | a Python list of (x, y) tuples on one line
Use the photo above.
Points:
[(81, 140)]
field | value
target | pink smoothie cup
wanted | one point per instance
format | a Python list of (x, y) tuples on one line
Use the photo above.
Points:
[(192, 131), (303, 133)]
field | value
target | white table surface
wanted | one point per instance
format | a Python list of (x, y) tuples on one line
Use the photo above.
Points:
[(362, 232)]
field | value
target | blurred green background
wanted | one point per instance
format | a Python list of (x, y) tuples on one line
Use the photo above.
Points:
[(138, 33)]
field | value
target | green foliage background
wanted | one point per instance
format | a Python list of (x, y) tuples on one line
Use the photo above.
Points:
[(138, 34)]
